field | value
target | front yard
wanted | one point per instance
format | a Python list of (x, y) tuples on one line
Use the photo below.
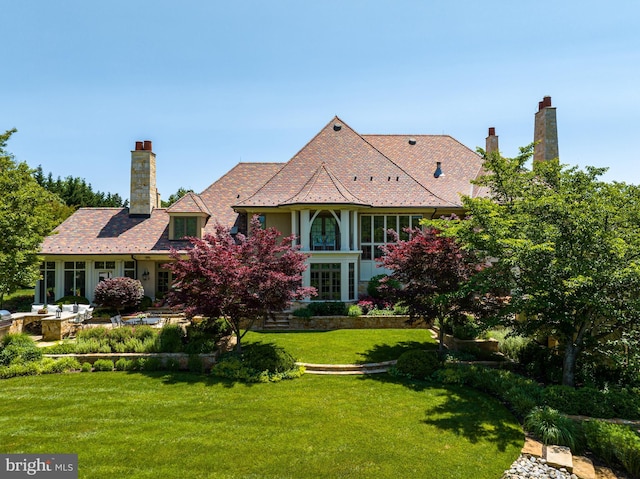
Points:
[(153, 425)]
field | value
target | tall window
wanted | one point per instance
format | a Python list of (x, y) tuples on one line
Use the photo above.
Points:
[(185, 226), (324, 233), (130, 269), (373, 231), (326, 279), (352, 281), (47, 282), (164, 282), (74, 278)]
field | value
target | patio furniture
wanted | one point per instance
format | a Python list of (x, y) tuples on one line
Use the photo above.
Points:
[(116, 321)]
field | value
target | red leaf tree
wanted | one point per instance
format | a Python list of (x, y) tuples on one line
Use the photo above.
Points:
[(434, 273), (118, 293), (245, 278)]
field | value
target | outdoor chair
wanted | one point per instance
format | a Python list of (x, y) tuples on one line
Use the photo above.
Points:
[(116, 321)]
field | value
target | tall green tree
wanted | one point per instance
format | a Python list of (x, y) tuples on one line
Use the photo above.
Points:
[(27, 215), (175, 196), (565, 245)]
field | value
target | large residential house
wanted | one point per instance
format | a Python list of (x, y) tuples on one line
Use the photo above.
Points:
[(339, 195)]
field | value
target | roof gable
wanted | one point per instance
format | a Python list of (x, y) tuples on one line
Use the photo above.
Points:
[(189, 203), (323, 187), (366, 172)]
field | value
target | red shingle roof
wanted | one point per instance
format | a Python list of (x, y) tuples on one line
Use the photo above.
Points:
[(111, 231), (338, 166)]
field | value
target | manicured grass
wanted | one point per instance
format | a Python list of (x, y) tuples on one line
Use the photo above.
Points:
[(179, 425), (346, 346)]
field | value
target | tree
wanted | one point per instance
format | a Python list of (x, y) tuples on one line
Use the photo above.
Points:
[(565, 244), (246, 278), (76, 192), (118, 293), (27, 215), (433, 272)]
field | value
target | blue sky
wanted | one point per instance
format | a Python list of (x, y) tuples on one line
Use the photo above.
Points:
[(213, 83)]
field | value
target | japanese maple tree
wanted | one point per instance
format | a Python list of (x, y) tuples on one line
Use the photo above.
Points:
[(118, 293), (434, 272), (241, 278)]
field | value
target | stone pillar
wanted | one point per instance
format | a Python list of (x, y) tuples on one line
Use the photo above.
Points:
[(545, 132)]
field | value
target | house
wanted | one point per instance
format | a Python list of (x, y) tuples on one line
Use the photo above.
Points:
[(339, 195)]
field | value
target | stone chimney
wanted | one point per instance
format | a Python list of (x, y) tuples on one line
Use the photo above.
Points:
[(144, 194), (545, 132), (491, 141)]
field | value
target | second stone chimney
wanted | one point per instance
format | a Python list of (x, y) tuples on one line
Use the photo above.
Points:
[(545, 132), (144, 193), (491, 141)]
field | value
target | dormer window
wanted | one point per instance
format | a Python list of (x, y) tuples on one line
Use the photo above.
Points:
[(184, 226)]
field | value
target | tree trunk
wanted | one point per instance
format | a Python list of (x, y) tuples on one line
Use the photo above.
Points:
[(569, 364), (441, 337)]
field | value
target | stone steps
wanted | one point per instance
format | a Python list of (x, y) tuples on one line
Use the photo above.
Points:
[(560, 457), (347, 369)]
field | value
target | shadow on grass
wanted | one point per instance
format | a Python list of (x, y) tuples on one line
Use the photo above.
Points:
[(388, 352), (474, 416), (187, 377), (465, 412)]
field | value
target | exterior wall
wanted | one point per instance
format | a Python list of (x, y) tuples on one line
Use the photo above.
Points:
[(92, 274), (279, 221)]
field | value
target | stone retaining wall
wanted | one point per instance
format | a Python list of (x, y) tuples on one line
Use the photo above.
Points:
[(327, 323), (486, 345)]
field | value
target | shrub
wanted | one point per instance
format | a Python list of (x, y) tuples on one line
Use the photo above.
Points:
[(615, 444), (20, 351), (418, 363), (593, 402), (18, 339), (145, 303), (267, 357), (86, 367), (170, 339), (354, 310), (124, 364), (467, 329), (388, 286), (61, 365), (152, 364), (303, 313), (103, 365), (60, 348), (195, 364), (92, 333), (172, 364), (118, 293), (144, 332), (553, 427)]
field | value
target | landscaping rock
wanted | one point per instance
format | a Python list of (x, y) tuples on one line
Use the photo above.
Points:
[(531, 467)]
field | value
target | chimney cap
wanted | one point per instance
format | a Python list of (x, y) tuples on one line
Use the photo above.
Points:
[(545, 103), (492, 131)]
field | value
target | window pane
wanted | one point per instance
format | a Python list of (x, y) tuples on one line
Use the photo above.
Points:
[(99, 264), (365, 229), (415, 221), (68, 265), (378, 229), (129, 265), (404, 223), (110, 264), (79, 264), (192, 224), (366, 252)]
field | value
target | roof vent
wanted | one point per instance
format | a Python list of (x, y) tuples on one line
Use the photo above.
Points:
[(337, 126), (438, 173), (412, 141)]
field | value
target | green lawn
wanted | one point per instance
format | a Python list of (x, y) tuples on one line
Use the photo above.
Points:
[(133, 425), (346, 346)]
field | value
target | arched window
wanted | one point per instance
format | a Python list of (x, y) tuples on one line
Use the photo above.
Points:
[(325, 234)]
